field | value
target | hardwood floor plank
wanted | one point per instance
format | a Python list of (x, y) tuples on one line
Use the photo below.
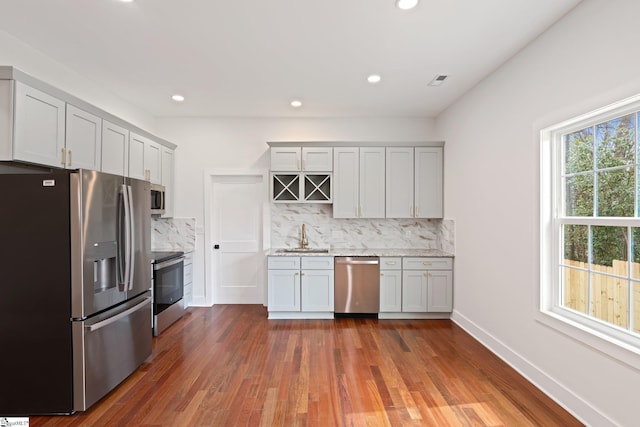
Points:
[(231, 366)]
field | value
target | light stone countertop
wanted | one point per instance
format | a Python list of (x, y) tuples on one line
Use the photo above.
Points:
[(367, 252)]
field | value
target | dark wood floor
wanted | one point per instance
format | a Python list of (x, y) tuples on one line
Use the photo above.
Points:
[(230, 366)]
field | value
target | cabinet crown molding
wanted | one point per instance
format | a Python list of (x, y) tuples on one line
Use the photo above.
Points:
[(355, 143)]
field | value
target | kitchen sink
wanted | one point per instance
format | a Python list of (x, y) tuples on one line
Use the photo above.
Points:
[(303, 250)]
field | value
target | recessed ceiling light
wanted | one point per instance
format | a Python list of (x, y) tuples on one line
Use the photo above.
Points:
[(126, 1), (406, 4), (177, 97), (296, 103), (374, 78)]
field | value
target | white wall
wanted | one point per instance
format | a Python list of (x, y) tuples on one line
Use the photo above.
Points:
[(16, 53), (587, 60), (237, 143)]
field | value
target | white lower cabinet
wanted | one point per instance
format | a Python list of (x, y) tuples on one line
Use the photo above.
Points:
[(416, 287), (439, 291), (390, 285), (300, 287)]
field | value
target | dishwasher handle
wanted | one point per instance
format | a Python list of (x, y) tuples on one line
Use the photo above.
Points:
[(357, 262)]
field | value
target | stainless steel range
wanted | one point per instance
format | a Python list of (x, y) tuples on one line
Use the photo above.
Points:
[(168, 289)]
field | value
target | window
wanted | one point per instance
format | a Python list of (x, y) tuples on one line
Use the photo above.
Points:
[(591, 222)]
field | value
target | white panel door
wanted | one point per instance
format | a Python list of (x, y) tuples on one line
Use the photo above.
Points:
[(391, 291), (286, 159), (428, 182), (83, 139), (153, 161), (372, 182), (238, 259), (399, 182), (345, 182), (284, 290), (167, 180), (414, 291), (39, 127), (115, 149), (317, 159), (440, 291), (136, 156), (317, 290)]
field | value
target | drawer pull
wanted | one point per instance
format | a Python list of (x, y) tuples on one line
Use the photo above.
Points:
[(426, 263), (390, 263)]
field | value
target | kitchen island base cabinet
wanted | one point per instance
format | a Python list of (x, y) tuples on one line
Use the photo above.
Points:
[(300, 287)]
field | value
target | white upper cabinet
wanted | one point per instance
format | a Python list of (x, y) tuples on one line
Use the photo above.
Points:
[(317, 159), (286, 159), (153, 161), (136, 156), (167, 179), (372, 182), (145, 159), (399, 182), (304, 159), (115, 149), (414, 182), (346, 177), (39, 133), (359, 190), (83, 139), (429, 182)]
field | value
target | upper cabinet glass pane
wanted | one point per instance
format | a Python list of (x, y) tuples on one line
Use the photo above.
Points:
[(578, 151), (615, 142)]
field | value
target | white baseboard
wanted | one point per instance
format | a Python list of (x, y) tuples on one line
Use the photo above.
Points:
[(579, 408)]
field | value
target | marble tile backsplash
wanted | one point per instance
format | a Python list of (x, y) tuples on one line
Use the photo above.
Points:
[(173, 234), (324, 231)]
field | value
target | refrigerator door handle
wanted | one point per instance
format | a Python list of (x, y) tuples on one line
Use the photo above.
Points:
[(118, 316), (122, 200), (127, 237), (132, 239)]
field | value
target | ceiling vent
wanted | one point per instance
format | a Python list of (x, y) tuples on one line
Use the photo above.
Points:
[(438, 80)]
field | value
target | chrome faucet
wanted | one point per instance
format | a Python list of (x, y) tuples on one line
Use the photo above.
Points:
[(303, 238)]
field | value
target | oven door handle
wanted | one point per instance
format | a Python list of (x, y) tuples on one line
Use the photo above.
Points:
[(110, 320), (168, 263)]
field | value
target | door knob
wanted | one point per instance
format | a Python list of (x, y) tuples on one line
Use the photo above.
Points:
[(216, 246)]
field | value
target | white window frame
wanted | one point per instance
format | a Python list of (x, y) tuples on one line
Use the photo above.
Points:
[(605, 337)]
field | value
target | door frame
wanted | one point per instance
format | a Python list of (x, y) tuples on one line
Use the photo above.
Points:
[(209, 177)]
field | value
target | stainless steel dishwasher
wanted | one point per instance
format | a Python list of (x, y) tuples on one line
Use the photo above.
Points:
[(357, 285)]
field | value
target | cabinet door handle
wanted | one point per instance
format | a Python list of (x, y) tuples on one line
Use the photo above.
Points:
[(147, 174), (64, 157), (411, 211), (304, 164), (298, 164), (302, 274), (382, 274), (417, 209), (297, 274), (390, 263), (70, 157)]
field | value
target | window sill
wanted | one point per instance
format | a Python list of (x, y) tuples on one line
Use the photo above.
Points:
[(609, 346)]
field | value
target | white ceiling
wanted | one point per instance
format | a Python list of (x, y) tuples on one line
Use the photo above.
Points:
[(252, 57)]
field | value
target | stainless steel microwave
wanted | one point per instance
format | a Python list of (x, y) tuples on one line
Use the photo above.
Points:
[(157, 199)]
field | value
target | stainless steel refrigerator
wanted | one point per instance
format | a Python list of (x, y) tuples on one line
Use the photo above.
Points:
[(75, 279)]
